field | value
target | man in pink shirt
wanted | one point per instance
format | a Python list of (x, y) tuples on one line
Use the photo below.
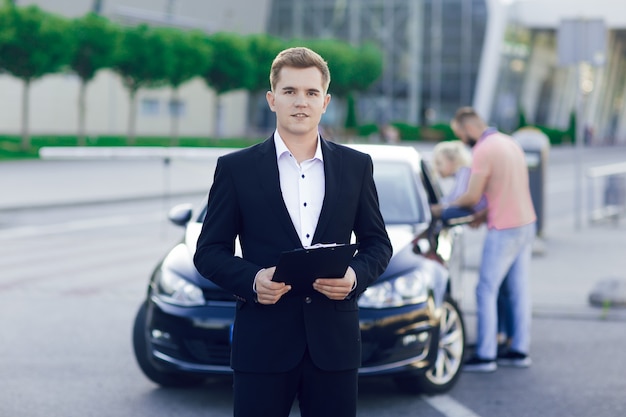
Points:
[(500, 173)]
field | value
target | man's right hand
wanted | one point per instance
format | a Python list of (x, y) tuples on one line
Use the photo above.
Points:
[(268, 291), (480, 217)]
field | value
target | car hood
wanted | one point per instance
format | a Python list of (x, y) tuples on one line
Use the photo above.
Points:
[(180, 258)]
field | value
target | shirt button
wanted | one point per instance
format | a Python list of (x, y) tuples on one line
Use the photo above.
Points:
[(308, 300), (304, 204), (302, 175)]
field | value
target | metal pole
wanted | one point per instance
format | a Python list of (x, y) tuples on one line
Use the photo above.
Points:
[(169, 10), (436, 56), (165, 201), (580, 128), (415, 42), (97, 6)]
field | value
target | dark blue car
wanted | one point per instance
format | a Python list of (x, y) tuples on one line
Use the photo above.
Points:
[(412, 329)]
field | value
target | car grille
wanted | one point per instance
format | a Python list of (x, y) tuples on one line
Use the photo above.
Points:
[(213, 353)]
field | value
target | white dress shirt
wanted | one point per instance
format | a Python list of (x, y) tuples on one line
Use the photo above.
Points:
[(302, 186)]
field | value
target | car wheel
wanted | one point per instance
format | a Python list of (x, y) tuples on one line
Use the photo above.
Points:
[(142, 354), (447, 367)]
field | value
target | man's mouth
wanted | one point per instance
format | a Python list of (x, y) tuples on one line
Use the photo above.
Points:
[(299, 115)]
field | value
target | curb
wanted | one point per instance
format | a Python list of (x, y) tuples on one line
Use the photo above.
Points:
[(104, 200)]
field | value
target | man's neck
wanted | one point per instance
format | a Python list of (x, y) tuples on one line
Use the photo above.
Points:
[(489, 130), (301, 147)]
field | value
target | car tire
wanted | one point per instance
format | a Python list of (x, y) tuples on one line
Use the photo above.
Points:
[(446, 370), (142, 355)]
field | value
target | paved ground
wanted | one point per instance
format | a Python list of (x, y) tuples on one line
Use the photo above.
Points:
[(568, 265)]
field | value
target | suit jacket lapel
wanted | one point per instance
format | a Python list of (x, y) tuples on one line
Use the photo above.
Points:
[(267, 168), (332, 178)]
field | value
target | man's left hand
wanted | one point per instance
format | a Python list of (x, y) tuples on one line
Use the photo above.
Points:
[(336, 288)]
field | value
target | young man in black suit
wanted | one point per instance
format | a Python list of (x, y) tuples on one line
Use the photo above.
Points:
[(291, 191)]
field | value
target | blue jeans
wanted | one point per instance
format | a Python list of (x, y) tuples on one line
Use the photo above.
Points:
[(506, 253), (505, 322)]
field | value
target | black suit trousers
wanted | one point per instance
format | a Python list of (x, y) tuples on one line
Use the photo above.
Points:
[(319, 393)]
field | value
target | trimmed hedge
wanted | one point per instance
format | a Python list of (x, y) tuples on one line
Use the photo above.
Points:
[(10, 145)]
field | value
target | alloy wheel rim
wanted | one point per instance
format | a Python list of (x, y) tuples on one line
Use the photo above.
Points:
[(450, 348)]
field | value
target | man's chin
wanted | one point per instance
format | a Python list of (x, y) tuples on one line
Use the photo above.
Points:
[(301, 129)]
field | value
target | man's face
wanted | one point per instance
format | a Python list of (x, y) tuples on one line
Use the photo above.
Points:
[(299, 100), (465, 134), (459, 132)]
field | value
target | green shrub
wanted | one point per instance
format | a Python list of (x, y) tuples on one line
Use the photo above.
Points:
[(407, 132), (438, 132), (367, 129)]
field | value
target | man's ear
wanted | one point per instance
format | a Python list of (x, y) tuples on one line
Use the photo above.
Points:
[(326, 101), (269, 96)]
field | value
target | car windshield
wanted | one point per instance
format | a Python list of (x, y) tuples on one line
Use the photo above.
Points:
[(400, 201)]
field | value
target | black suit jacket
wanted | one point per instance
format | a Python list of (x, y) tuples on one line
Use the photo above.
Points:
[(246, 201)]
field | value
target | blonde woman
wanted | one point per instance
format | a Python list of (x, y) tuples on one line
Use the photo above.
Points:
[(453, 159)]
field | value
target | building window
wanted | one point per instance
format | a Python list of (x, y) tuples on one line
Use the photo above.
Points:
[(150, 107), (177, 108)]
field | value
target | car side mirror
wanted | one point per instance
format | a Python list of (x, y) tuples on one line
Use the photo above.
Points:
[(180, 214)]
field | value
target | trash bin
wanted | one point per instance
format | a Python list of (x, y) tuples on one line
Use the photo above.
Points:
[(615, 195), (536, 146)]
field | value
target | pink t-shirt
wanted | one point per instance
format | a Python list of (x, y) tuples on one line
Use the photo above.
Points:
[(501, 160)]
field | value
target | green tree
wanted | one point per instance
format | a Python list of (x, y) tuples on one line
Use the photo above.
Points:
[(521, 119), (352, 69), (369, 67), (231, 70), (33, 43), (341, 58), (191, 58), (144, 59), (351, 122), (263, 49), (96, 39)]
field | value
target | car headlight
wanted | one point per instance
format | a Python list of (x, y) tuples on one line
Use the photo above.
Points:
[(410, 288), (174, 289)]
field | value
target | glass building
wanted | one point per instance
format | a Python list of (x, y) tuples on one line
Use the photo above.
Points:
[(432, 49), (549, 87)]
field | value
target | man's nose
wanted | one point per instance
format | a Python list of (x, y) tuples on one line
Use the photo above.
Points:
[(300, 100)]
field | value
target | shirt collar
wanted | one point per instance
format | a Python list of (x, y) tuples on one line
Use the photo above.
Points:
[(488, 132), (281, 148)]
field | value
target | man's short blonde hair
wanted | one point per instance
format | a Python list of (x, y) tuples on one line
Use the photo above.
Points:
[(299, 57), (466, 115)]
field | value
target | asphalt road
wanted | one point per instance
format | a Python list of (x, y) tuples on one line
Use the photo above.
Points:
[(73, 277)]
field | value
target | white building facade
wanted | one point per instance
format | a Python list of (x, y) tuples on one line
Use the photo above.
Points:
[(54, 98), (532, 78), (509, 64)]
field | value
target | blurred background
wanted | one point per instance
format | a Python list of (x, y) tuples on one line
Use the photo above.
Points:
[(82, 228), (195, 72)]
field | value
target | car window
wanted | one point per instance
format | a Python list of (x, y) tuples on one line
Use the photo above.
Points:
[(399, 198)]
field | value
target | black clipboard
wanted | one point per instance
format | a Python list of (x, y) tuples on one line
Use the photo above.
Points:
[(300, 267)]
